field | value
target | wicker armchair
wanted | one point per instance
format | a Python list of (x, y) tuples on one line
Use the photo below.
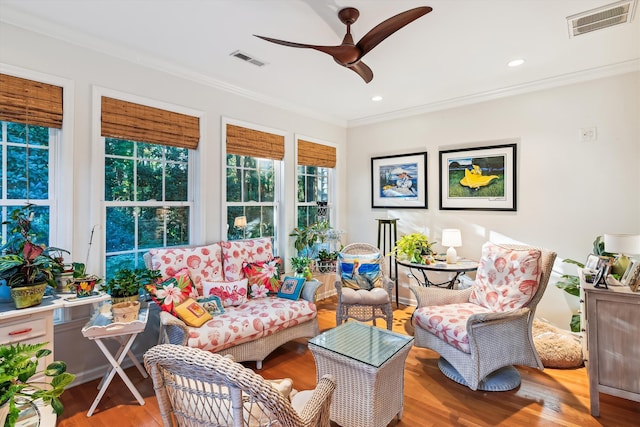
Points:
[(363, 305), (496, 339), (199, 388)]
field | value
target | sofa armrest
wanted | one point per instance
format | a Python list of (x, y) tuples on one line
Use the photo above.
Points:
[(172, 330), (309, 290)]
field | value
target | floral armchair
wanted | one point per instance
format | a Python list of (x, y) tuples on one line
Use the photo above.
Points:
[(481, 329)]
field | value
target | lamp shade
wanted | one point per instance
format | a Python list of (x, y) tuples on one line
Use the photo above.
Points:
[(451, 237), (240, 221), (627, 244)]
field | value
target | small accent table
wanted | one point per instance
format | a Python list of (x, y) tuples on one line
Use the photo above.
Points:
[(458, 269), (368, 363), (388, 234), (100, 327)]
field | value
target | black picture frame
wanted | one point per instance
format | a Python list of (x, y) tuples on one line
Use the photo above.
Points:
[(480, 178), (399, 181)]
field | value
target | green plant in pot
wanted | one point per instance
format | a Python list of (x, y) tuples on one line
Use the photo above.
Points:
[(415, 248), (18, 366), (301, 266), (127, 283), (27, 267), (307, 237), (83, 283)]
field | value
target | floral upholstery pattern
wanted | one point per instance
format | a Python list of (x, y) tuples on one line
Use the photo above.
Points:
[(236, 253), (173, 291), (265, 273), (250, 321), (204, 262), (448, 322), (506, 278)]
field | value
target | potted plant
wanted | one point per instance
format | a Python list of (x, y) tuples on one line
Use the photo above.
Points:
[(307, 237), (19, 364), (83, 283), (301, 266), (26, 266), (327, 260), (415, 248), (127, 283)]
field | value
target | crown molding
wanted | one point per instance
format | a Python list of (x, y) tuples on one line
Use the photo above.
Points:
[(534, 86)]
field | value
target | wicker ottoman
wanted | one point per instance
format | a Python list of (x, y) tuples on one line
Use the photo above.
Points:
[(368, 365)]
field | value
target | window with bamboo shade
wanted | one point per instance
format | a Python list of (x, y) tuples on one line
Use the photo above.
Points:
[(30, 102)]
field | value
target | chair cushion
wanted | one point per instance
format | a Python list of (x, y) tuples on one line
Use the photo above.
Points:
[(236, 253), (360, 271), (375, 296), (506, 278), (448, 322)]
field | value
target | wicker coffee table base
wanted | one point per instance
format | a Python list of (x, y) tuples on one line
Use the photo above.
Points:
[(365, 396)]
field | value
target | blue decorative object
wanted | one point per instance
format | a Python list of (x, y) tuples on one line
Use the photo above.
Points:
[(212, 304), (291, 287)]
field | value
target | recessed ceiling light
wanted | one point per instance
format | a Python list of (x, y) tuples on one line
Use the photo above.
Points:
[(376, 98), (516, 62)]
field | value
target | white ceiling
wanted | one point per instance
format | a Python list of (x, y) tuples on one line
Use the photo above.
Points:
[(455, 55)]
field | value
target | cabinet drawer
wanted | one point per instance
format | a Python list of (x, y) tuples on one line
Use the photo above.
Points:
[(23, 331)]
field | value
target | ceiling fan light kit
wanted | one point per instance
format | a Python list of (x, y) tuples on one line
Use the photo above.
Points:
[(349, 54)]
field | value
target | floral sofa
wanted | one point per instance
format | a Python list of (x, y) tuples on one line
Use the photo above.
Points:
[(254, 321)]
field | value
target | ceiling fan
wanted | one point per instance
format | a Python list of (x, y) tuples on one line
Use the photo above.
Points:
[(349, 54)]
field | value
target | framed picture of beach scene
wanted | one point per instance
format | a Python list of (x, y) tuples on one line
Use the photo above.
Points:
[(399, 181), (479, 178)]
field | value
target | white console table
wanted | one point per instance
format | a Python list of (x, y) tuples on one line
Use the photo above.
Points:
[(35, 324)]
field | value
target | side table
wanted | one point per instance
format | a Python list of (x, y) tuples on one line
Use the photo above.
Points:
[(101, 327), (458, 269), (368, 363)]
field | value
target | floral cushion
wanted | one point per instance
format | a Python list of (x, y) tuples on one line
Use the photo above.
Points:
[(448, 322), (360, 271), (265, 273), (230, 293), (236, 253), (203, 262), (506, 278), (173, 291)]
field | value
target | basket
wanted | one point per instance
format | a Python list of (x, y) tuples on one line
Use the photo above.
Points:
[(125, 312)]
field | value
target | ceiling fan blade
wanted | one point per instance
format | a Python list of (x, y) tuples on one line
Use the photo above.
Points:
[(362, 70), (343, 54), (388, 27)]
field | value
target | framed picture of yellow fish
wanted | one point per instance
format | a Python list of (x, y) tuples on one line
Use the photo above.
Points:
[(479, 178)]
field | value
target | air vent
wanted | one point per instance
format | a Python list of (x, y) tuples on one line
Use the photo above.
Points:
[(620, 12), (247, 58)]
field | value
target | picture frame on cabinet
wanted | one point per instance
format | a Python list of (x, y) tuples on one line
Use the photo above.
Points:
[(603, 269), (631, 276)]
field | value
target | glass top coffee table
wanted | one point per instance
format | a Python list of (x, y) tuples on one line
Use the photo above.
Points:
[(368, 365)]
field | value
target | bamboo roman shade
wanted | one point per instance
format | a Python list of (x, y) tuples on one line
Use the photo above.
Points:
[(250, 142), (30, 102), (312, 154), (126, 120)]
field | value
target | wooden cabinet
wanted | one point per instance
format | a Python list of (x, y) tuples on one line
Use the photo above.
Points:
[(612, 319)]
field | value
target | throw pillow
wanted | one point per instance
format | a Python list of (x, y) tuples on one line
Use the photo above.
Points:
[(360, 271), (265, 273), (231, 293), (173, 291), (291, 287), (192, 313), (506, 278), (237, 252), (212, 304)]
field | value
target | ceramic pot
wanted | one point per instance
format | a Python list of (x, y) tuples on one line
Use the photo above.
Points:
[(131, 298), (125, 312), (84, 287), (64, 282), (28, 296)]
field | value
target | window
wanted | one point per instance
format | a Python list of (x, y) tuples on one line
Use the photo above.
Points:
[(315, 196), (148, 191), (253, 165), (313, 187), (26, 176), (147, 202)]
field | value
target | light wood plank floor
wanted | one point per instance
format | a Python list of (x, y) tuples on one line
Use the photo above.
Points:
[(551, 397)]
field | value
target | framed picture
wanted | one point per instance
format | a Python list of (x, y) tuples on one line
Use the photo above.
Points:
[(482, 178), (602, 270), (631, 276), (592, 262), (399, 181)]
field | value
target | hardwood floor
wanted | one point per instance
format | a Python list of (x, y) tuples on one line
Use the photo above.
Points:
[(552, 397)]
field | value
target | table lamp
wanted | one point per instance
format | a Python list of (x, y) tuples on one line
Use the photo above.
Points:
[(241, 222), (623, 245), (451, 237)]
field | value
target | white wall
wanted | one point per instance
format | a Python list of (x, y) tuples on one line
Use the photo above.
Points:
[(568, 191)]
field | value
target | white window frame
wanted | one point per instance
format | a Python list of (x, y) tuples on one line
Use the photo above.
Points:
[(196, 216)]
